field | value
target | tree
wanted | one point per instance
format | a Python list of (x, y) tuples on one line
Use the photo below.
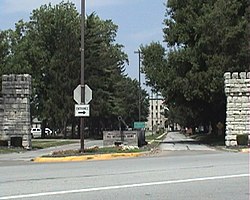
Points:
[(47, 47), (205, 39), (4, 52), (55, 32), (114, 93)]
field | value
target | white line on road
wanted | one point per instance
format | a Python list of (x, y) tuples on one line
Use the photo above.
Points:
[(124, 186)]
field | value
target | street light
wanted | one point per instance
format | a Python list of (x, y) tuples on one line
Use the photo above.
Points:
[(139, 92)]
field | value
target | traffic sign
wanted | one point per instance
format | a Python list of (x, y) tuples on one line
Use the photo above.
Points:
[(77, 94), (82, 110), (139, 125), (88, 94), (78, 91)]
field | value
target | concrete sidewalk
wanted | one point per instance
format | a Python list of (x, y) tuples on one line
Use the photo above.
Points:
[(176, 141)]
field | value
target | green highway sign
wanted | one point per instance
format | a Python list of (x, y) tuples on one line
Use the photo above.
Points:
[(138, 125)]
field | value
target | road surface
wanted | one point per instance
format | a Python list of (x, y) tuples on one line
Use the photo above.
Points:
[(179, 175)]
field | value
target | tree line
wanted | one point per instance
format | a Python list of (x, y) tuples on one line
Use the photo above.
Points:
[(202, 40), (48, 47)]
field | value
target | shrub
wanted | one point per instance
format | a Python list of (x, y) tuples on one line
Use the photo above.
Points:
[(242, 139), (3, 143)]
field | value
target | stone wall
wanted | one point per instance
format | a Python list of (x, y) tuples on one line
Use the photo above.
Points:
[(1, 114), (128, 138), (16, 91), (237, 89)]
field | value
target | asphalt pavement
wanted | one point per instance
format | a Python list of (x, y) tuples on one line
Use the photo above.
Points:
[(207, 176)]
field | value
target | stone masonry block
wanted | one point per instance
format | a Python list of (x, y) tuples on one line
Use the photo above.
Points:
[(235, 75), (227, 75), (231, 137), (243, 75)]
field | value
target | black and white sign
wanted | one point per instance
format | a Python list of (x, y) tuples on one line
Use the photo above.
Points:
[(82, 110), (77, 94)]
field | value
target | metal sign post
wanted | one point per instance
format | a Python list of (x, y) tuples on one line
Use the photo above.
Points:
[(82, 72)]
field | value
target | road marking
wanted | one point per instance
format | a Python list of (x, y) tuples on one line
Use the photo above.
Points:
[(124, 186)]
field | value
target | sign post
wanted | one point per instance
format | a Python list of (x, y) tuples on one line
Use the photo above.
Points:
[(82, 71)]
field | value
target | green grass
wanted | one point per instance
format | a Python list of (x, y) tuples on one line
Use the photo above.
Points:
[(4, 150), (95, 150), (37, 144), (42, 144)]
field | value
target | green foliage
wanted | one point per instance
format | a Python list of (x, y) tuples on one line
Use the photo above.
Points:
[(47, 47), (205, 39), (242, 139)]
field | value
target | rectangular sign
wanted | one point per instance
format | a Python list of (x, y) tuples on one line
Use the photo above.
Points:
[(81, 110), (138, 125)]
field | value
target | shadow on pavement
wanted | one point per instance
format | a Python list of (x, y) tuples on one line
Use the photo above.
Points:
[(181, 142)]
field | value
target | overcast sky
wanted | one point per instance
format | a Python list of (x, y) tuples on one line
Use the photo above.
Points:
[(139, 21)]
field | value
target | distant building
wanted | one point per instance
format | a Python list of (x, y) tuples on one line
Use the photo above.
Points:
[(156, 118), (36, 123)]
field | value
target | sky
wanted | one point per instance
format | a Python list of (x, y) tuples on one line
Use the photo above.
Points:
[(140, 22)]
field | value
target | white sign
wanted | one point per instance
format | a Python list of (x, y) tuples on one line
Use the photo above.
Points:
[(88, 94), (78, 91), (77, 94), (82, 110)]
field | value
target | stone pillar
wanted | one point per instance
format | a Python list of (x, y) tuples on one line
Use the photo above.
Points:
[(237, 89), (16, 91)]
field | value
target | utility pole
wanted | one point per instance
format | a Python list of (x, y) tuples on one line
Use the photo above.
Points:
[(248, 30), (139, 91), (82, 72)]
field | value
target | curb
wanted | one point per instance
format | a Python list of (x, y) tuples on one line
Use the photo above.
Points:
[(87, 157), (243, 150), (246, 150)]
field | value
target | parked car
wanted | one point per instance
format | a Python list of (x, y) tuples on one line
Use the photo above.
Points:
[(37, 132), (48, 131)]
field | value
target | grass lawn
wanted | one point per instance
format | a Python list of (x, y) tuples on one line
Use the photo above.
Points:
[(37, 144), (4, 150), (44, 143)]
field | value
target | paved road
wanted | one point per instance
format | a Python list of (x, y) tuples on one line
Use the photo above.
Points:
[(208, 176), (176, 141)]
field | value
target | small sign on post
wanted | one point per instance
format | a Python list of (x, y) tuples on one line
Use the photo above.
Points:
[(139, 125), (82, 110)]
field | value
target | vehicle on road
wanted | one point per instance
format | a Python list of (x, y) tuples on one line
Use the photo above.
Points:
[(37, 132)]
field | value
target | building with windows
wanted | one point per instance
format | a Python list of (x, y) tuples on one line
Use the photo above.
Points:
[(156, 118)]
